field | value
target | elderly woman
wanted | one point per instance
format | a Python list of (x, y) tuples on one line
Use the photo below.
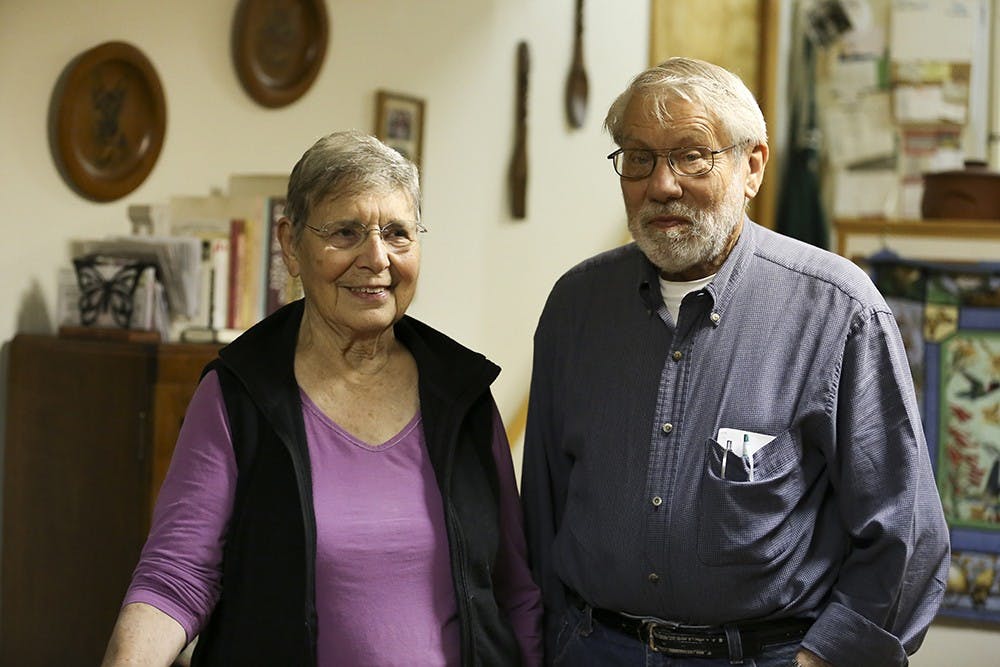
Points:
[(341, 492)]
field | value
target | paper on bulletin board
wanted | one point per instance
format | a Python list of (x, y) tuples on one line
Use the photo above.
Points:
[(923, 150), (927, 149), (863, 193), (867, 36), (864, 130), (850, 78), (941, 30), (928, 104)]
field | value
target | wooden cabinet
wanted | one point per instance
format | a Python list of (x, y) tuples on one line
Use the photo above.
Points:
[(90, 429)]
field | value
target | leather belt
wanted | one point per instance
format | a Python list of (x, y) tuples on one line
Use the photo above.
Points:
[(703, 641)]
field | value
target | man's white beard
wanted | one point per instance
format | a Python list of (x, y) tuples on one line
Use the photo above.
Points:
[(679, 248)]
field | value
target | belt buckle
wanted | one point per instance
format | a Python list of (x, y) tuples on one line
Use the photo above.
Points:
[(688, 644), (650, 626)]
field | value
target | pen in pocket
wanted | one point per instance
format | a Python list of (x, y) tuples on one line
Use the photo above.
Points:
[(747, 457), (725, 455)]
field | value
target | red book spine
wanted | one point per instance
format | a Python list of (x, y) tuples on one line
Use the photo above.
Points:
[(237, 255)]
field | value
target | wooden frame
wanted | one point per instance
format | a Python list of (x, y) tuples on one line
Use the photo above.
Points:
[(938, 240), (949, 319), (742, 36), (943, 308), (399, 122), (278, 48), (107, 121)]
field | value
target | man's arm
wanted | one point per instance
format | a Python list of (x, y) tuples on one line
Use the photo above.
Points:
[(892, 581), (145, 636), (543, 482)]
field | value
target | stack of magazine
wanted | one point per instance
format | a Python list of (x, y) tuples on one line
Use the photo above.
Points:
[(195, 269), (131, 282)]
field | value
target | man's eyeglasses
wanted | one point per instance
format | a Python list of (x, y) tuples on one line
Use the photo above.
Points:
[(636, 163), (349, 234)]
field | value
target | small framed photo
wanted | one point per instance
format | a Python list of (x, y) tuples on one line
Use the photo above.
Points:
[(399, 123)]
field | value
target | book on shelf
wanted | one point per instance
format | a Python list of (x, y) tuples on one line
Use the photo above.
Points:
[(221, 336), (230, 229), (216, 257), (237, 254), (219, 296), (281, 287), (206, 219), (248, 293)]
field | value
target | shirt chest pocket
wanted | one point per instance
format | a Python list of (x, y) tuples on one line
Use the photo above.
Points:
[(743, 520)]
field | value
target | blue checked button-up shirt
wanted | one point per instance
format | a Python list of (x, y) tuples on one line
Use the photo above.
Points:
[(624, 499)]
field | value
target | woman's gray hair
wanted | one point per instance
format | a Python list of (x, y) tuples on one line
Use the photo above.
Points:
[(722, 95), (347, 164)]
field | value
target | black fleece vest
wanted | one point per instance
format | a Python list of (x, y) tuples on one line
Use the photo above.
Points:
[(266, 614)]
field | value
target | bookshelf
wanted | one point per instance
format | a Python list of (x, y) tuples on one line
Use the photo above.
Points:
[(218, 257)]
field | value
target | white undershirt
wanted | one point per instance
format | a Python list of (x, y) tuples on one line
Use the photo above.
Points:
[(674, 292)]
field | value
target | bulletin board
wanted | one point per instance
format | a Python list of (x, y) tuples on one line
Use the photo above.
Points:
[(904, 91)]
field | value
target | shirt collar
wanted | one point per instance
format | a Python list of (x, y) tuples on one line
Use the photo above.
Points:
[(730, 274)]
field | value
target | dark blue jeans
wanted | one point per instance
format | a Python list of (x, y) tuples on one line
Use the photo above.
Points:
[(582, 642)]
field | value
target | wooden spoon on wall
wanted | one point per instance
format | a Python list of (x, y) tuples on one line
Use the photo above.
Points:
[(576, 83), (517, 174)]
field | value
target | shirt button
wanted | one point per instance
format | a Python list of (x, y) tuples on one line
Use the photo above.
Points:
[(654, 578), (657, 501), (668, 427), (715, 317), (677, 355)]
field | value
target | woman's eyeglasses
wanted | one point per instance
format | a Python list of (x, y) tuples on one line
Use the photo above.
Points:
[(348, 235)]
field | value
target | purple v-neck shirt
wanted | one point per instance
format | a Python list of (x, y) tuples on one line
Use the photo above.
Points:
[(384, 594)]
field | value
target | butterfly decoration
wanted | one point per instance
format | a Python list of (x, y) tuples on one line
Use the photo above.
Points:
[(107, 286)]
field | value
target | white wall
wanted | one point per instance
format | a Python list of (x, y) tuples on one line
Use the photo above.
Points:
[(484, 276)]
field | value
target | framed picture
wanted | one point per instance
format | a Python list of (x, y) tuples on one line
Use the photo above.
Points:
[(949, 316), (399, 122)]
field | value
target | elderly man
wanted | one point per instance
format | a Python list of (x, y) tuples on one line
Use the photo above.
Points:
[(724, 461)]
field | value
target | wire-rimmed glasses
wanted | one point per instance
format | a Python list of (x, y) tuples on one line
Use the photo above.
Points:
[(636, 163), (397, 236)]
